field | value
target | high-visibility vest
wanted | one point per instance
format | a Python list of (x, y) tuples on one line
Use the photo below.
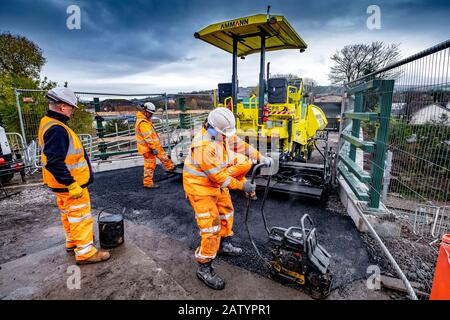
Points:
[(203, 181), (75, 160), (147, 139)]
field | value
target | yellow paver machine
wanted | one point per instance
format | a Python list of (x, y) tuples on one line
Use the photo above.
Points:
[(279, 120)]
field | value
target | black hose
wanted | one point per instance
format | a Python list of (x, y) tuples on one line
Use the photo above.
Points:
[(169, 175), (262, 211), (317, 148), (266, 192)]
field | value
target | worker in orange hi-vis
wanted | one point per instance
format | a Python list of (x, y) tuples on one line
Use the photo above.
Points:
[(67, 171), (441, 281), (242, 159), (211, 168), (149, 145)]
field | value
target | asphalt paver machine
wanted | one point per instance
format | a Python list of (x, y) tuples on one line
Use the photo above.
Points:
[(279, 120)]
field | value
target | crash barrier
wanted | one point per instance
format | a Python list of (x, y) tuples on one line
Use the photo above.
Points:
[(416, 168), (379, 94), (431, 221), (20, 152), (105, 122)]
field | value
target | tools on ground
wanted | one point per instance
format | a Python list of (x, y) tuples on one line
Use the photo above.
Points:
[(297, 257)]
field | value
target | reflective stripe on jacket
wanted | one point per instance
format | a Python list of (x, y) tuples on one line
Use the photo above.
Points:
[(204, 171), (146, 136), (75, 160)]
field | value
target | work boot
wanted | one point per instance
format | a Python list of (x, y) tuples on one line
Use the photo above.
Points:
[(70, 250), (153, 186), (99, 256), (227, 248), (251, 195), (206, 273)]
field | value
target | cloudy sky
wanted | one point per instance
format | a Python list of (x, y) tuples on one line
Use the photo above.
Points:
[(146, 46)]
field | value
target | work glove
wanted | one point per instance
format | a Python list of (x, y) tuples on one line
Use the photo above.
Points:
[(75, 191), (155, 152), (267, 161), (249, 187)]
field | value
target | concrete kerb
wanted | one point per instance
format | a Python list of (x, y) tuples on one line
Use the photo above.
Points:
[(382, 220), (116, 164)]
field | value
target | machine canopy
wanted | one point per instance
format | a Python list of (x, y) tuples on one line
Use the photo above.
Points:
[(278, 32)]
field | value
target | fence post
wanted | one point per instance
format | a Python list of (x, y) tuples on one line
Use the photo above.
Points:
[(384, 104), (356, 124), (19, 110), (387, 175), (167, 125), (102, 146)]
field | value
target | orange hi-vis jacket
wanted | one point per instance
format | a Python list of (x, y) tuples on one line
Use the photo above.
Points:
[(204, 172), (75, 160), (147, 138), (240, 146)]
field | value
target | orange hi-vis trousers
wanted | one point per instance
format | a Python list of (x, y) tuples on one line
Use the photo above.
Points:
[(78, 223), (150, 164), (215, 214)]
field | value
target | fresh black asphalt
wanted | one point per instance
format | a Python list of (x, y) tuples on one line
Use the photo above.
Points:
[(168, 210)]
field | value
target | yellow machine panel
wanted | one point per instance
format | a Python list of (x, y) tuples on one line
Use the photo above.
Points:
[(293, 121)]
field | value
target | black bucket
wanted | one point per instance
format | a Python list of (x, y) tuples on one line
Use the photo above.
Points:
[(111, 230)]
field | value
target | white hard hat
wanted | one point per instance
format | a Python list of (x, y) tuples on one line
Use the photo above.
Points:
[(63, 94), (149, 107), (222, 119)]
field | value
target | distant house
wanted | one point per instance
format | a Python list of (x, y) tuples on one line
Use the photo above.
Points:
[(397, 109), (434, 113), (245, 92), (328, 98)]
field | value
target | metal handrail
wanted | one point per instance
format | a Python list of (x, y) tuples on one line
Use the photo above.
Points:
[(440, 46)]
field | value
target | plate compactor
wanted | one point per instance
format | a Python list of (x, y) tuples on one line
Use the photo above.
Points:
[(297, 257)]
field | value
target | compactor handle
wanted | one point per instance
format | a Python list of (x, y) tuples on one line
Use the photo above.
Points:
[(302, 221), (255, 169)]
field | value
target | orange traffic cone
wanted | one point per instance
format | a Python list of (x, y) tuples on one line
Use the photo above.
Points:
[(441, 281)]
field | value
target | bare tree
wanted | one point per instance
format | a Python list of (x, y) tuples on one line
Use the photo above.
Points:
[(357, 60)]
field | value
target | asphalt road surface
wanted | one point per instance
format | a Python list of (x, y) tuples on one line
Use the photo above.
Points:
[(168, 210)]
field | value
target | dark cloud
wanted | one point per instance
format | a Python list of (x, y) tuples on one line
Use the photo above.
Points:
[(119, 38)]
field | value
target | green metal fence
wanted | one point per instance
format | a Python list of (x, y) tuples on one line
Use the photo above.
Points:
[(377, 94), (415, 133), (99, 109)]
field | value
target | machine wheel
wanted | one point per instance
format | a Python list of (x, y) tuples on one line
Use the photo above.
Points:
[(319, 285)]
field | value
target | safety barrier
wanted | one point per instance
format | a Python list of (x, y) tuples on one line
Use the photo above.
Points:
[(100, 143), (416, 170), (377, 93)]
